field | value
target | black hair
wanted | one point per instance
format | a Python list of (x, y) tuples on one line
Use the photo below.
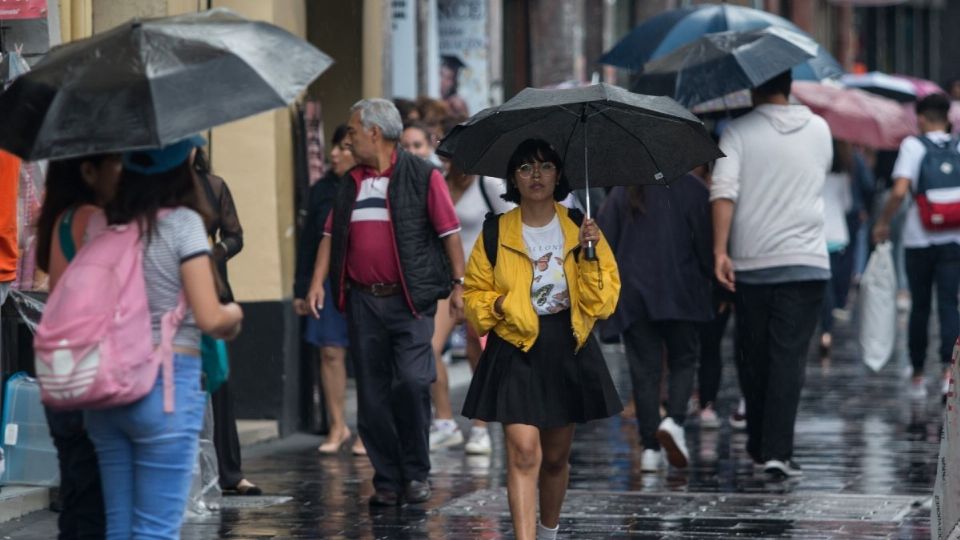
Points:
[(140, 196), (422, 126), (200, 163), (777, 85), (534, 150), (339, 133), (935, 108), (65, 188)]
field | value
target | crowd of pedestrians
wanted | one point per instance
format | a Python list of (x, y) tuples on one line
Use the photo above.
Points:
[(399, 247)]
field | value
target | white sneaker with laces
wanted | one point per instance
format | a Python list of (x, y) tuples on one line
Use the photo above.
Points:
[(673, 441), (444, 434), (651, 461), (479, 442)]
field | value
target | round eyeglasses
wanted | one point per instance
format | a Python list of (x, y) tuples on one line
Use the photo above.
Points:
[(545, 168)]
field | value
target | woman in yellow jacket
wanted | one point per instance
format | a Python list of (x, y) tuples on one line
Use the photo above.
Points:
[(542, 370)]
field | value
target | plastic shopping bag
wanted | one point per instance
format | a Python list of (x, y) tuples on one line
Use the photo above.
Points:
[(878, 311), (945, 512), (205, 493)]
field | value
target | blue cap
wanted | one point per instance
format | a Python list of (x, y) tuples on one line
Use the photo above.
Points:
[(163, 159)]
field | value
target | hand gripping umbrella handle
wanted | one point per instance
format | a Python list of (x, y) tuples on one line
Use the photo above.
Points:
[(591, 252)]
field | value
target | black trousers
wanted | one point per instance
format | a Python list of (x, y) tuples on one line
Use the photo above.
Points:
[(926, 267), (394, 367), (710, 370), (225, 438), (645, 341), (81, 496), (774, 325)]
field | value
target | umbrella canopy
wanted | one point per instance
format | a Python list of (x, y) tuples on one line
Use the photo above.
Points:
[(625, 138), (857, 116), (882, 84), (148, 83), (717, 64), (670, 30), (922, 87)]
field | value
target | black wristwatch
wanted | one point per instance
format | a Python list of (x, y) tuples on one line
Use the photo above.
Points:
[(457, 281)]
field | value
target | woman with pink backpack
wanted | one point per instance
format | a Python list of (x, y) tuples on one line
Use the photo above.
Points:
[(147, 448)]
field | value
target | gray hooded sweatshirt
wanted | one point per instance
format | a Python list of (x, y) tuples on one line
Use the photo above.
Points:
[(777, 159)]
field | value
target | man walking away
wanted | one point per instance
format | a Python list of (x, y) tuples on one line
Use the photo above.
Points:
[(770, 249), (392, 248), (929, 167)]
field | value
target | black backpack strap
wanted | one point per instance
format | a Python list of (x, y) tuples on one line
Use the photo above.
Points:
[(483, 192), (576, 216), (491, 237)]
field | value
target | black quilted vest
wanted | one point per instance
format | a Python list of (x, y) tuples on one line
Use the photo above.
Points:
[(424, 266)]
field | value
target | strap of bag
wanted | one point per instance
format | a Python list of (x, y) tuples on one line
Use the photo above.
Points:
[(168, 329), (67, 245), (486, 196), (491, 233), (491, 237)]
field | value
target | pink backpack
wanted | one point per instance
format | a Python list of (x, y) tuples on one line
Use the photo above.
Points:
[(93, 347)]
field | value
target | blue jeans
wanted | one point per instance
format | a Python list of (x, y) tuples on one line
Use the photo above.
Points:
[(146, 456)]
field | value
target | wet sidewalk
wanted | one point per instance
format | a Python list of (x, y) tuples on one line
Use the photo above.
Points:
[(868, 454)]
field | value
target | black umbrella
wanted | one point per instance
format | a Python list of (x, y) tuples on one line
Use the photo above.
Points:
[(148, 83), (606, 136), (721, 63)]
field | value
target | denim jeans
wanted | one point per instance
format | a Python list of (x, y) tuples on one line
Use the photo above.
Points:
[(146, 456)]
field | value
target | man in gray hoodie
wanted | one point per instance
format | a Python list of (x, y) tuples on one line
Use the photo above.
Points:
[(770, 249)]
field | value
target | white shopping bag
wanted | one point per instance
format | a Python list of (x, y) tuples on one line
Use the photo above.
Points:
[(945, 513), (205, 493), (878, 310)]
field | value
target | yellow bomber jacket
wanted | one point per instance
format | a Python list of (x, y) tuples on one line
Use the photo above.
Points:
[(594, 285)]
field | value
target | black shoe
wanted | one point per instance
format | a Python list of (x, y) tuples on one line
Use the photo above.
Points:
[(417, 492), (384, 497)]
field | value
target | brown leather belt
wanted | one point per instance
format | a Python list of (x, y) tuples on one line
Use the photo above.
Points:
[(378, 289)]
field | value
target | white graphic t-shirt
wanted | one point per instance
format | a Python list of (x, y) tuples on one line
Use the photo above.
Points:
[(549, 291)]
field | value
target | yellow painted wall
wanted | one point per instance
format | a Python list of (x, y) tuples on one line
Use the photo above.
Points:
[(255, 156)]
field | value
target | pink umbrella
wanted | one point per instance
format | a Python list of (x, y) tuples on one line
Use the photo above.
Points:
[(955, 115), (857, 116), (923, 87)]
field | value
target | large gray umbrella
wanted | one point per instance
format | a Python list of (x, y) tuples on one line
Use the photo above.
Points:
[(606, 136), (148, 83), (724, 62)]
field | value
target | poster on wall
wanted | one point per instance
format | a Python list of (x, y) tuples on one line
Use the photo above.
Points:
[(464, 50), (23, 9)]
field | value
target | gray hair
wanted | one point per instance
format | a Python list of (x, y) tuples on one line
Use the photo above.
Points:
[(381, 113)]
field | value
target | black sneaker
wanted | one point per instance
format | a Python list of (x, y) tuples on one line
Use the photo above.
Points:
[(783, 469)]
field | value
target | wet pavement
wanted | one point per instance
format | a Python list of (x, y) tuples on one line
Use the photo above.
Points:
[(868, 454)]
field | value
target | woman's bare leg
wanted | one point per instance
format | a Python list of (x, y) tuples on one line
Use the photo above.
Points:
[(333, 373), (554, 472), (523, 467), (440, 390)]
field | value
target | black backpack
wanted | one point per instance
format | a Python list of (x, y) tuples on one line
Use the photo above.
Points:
[(491, 233)]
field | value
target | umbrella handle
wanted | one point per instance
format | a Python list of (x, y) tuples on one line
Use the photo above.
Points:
[(591, 252)]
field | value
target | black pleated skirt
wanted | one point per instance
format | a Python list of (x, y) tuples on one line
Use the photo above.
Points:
[(549, 387)]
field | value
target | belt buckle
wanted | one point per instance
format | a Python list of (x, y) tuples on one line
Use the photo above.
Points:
[(377, 289)]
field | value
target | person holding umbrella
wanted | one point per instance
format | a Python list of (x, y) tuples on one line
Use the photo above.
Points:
[(538, 296), (771, 251)]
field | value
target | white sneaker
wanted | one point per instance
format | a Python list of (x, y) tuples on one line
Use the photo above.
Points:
[(918, 388), (673, 442), (443, 436), (479, 442), (788, 468), (708, 418), (651, 460), (738, 420)]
